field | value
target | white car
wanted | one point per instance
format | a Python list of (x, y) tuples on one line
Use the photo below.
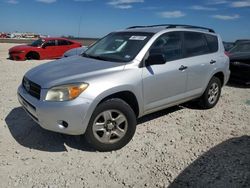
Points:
[(124, 76)]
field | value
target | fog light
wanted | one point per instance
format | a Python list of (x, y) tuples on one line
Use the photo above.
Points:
[(62, 124)]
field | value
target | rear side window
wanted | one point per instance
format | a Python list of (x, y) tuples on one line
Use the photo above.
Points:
[(195, 44), (63, 42), (212, 42)]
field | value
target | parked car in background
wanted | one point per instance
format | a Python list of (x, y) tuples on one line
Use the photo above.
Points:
[(3, 35), (123, 76), (241, 40), (75, 51), (43, 48), (228, 45), (240, 62)]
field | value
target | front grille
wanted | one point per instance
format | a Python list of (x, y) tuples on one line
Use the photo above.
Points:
[(32, 88), (25, 101)]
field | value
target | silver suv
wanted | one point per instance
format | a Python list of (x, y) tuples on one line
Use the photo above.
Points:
[(123, 76)]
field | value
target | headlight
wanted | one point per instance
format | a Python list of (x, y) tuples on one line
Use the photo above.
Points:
[(65, 92), (19, 52)]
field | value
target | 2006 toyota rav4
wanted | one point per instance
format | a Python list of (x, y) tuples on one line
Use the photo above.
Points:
[(125, 75)]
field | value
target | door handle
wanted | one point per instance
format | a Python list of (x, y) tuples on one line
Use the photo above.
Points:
[(182, 67), (212, 62)]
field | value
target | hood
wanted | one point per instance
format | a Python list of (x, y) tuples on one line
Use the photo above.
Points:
[(70, 70), (20, 47), (238, 56), (75, 51)]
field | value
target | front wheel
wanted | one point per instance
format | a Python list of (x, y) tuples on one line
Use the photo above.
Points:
[(212, 94), (111, 126), (32, 55)]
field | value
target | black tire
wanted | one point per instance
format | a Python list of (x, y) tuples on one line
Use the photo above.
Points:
[(205, 100), (113, 106), (32, 55)]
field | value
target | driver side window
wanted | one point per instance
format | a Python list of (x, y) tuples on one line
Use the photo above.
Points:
[(169, 45)]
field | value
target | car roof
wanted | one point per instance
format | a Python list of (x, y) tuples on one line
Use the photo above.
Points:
[(158, 28), (54, 38), (146, 29), (243, 42)]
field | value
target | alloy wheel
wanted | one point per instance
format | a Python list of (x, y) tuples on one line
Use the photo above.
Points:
[(213, 93), (110, 126)]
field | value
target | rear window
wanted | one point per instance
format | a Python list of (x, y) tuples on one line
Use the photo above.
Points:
[(51, 43), (195, 44), (212, 42), (241, 48)]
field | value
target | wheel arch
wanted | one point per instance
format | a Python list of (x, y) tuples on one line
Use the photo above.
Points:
[(33, 52), (127, 96), (221, 76)]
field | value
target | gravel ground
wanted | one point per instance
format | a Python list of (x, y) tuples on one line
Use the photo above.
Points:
[(178, 147)]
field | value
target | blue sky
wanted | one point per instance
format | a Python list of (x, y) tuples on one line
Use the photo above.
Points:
[(98, 17)]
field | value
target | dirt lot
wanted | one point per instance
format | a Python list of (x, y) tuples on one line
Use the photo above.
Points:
[(178, 147)]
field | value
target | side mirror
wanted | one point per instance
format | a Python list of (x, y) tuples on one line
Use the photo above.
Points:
[(155, 59), (43, 45)]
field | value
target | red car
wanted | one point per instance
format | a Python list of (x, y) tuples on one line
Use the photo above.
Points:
[(43, 48), (3, 35)]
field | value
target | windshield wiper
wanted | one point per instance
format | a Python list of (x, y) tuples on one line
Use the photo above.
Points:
[(94, 57), (84, 55)]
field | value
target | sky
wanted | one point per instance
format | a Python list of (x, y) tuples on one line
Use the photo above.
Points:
[(96, 18)]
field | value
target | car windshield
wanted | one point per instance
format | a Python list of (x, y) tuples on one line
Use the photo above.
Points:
[(241, 48), (37, 43), (118, 47)]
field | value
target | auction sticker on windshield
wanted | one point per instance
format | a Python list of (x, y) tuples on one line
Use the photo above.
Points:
[(137, 38)]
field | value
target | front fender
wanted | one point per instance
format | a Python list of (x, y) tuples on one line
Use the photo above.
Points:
[(108, 93)]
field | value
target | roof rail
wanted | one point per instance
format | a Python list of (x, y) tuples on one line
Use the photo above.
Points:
[(190, 27), (138, 26), (168, 26)]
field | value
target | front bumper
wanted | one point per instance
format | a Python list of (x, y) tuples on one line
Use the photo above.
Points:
[(17, 56), (49, 115)]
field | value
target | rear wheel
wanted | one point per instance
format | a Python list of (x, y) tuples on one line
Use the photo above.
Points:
[(32, 55), (212, 94), (111, 126)]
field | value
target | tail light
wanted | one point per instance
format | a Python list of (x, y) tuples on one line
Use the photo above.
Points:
[(227, 53)]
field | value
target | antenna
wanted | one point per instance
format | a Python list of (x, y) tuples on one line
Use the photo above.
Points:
[(79, 26)]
